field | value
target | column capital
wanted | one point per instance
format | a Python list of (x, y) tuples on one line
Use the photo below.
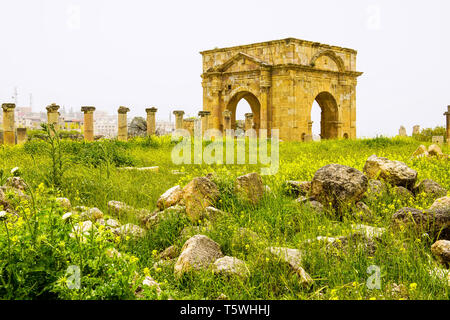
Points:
[(204, 113), (448, 111), (249, 115), (178, 112), (227, 114), (151, 110), (123, 110), (52, 108), (8, 106), (87, 109)]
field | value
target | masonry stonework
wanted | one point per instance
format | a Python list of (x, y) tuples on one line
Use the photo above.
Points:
[(88, 129), (151, 121), (9, 136), (122, 134), (280, 80)]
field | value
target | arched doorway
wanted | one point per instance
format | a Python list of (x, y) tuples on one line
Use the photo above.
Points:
[(328, 115), (252, 102)]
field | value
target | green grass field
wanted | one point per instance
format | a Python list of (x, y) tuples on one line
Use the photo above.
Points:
[(36, 250)]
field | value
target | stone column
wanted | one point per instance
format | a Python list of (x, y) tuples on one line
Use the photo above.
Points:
[(9, 136), (151, 121), (310, 125), (53, 115), (216, 114), (204, 115), (402, 132), (248, 121), (178, 119), (88, 123), (447, 115), (22, 136), (265, 84), (122, 134), (416, 130), (226, 120)]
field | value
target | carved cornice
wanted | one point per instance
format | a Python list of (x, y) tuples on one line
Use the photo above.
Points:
[(8, 106), (88, 109), (151, 110), (52, 108), (123, 110)]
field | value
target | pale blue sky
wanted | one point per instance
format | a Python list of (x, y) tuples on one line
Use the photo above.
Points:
[(146, 53)]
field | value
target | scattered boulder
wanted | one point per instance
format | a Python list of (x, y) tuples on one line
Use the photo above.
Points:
[(394, 172), (372, 233), (16, 183), (430, 188), (249, 188), (199, 194), (338, 185), (109, 223), (441, 250), (441, 203), (402, 193), (64, 203), (151, 283), (198, 253), (298, 188), (169, 253), (435, 221), (170, 198), (153, 219), (92, 214), (231, 266), (293, 258), (82, 229), (137, 127), (435, 151), (130, 230), (118, 208), (420, 152), (213, 213)]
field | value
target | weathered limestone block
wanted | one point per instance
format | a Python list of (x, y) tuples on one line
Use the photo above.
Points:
[(198, 253), (435, 150), (122, 124), (22, 136), (170, 198), (420, 152), (402, 132), (298, 188), (338, 185), (9, 135), (199, 194), (151, 120), (64, 203), (249, 188), (441, 250), (231, 266), (441, 203), (88, 129), (430, 188), (130, 230), (394, 172)]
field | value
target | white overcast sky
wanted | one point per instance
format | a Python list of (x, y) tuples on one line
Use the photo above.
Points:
[(146, 53)]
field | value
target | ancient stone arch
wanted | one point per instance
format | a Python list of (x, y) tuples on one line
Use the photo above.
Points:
[(281, 79)]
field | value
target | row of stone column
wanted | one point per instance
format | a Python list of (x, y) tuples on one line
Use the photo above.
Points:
[(9, 130), (204, 117)]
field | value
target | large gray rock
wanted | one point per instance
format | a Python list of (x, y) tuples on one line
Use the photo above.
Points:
[(441, 250), (198, 253), (249, 188), (338, 185), (199, 194), (137, 127), (394, 172), (430, 188), (436, 222), (231, 266)]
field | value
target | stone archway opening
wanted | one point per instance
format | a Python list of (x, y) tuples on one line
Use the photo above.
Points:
[(328, 116), (247, 102)]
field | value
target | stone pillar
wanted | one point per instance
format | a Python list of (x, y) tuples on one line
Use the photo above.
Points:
[(416, 130), (310, 125), (88, 129), (122, 134), (248, 121), (178, 119), (265, 84), (402, 132), (447, 115), (53, 115), (151, 121), (204, 115), (226, 120), (9, 136), (22, 136), (216, 114)]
